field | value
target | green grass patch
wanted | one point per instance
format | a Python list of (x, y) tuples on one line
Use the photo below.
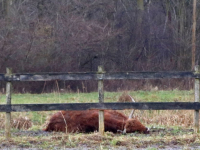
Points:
[(139, 96)]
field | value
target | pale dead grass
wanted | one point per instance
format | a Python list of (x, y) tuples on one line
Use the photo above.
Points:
[(182, 118), (17, 122), (21, 123)]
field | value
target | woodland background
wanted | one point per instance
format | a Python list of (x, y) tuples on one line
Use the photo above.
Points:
[(79, 35)]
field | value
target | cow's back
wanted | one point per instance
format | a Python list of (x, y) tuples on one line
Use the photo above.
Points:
[(82, 121), (86, 121), (74, 121), (114, 120)]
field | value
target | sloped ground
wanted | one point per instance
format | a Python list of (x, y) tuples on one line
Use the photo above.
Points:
[(159, 138)]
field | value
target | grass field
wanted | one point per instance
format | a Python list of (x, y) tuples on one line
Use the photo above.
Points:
[(170, 126)]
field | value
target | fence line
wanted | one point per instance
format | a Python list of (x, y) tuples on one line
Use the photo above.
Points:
[(100, 76), (101, 106)]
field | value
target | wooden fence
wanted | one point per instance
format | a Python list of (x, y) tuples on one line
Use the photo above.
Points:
[(100, 76)]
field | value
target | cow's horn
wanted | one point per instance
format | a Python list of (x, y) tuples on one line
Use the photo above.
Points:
[(132, 112), (124, 132), (132, 98)]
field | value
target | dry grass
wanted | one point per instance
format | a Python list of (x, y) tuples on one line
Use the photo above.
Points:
[(182, 118), (23, 123), (166, 118), (20, 123)]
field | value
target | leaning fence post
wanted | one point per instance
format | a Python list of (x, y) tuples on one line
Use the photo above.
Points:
[(101, 100), (8, 102), (196, 97)]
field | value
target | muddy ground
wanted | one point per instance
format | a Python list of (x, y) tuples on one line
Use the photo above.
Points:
[(158, 138)]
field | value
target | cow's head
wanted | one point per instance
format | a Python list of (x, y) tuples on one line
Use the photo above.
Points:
[(134, 125)]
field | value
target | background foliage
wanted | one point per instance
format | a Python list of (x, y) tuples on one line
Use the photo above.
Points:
[(79, 35)]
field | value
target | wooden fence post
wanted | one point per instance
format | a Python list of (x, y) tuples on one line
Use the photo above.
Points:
[(196, 97), (101, 100), (8, 102)]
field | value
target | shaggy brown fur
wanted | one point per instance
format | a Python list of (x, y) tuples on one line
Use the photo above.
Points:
[(87, 121), (125, 97)]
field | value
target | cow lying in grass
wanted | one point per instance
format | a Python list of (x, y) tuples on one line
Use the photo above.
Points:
[(87, 121)]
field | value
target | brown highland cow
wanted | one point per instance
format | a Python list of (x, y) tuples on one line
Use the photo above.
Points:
[(87, 121)]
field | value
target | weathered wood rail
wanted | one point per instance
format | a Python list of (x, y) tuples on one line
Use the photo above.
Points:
[(100, 76), (97, 76), (101, 106)]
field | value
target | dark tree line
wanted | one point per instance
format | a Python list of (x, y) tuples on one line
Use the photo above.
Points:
[(79, 35)]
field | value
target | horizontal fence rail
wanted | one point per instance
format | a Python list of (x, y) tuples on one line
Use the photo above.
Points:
[(97, 76), (101, 106)]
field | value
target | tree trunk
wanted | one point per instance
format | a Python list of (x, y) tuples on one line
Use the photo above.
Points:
[(8, 5)]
